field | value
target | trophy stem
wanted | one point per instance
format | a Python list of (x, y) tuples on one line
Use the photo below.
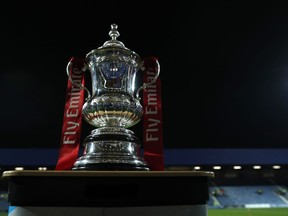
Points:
[(111, 148)]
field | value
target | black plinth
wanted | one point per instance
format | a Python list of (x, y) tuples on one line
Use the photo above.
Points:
[(107, 188)]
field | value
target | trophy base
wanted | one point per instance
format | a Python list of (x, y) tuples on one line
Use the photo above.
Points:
[(110, 167), (111, 148)]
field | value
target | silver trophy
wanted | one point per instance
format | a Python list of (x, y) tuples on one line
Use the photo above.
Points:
[(112, 108)]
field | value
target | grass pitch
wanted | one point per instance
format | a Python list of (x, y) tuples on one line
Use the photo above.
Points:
[(249, 212)]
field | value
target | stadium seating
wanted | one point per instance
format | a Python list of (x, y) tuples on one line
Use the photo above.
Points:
[(247, 196)]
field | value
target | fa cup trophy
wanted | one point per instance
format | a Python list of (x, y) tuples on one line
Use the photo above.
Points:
[(112, 108)]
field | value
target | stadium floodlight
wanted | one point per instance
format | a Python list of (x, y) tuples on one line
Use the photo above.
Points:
[(256, 167)]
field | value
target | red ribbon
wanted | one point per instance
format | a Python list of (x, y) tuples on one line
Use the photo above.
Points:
[(152, 117), (72, 119)]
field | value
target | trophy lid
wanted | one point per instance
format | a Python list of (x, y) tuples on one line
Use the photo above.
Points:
[(114, 47)]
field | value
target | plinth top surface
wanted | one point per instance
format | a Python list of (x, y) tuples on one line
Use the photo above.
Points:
[(69, 173)]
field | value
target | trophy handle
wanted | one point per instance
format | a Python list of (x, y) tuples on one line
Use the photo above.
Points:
[(145, 85), (82, 87)]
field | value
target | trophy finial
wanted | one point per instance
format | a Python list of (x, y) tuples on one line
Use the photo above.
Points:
[(114, 33)]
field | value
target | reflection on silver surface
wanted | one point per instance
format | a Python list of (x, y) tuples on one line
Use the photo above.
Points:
[(113, 108)]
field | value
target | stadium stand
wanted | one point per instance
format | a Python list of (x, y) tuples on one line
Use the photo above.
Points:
[(247, 196)]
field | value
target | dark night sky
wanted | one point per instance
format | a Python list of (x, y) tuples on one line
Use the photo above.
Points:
[(224, 67)]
